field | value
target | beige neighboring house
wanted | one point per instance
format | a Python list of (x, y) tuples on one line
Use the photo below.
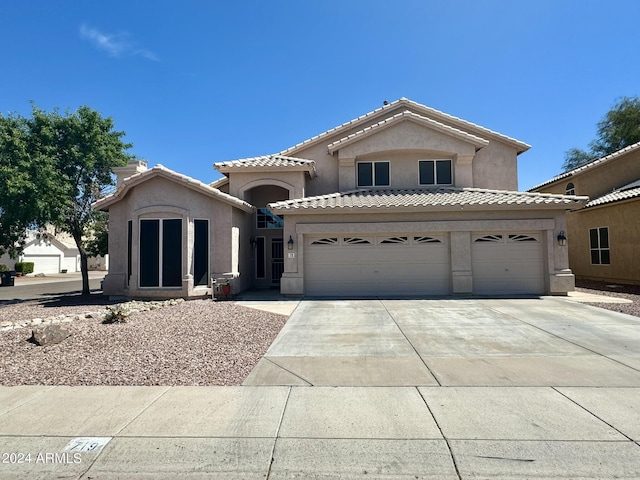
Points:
[(404, 200), (604, 235)]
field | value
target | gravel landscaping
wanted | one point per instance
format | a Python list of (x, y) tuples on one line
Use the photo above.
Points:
[(630, 292), (199, 342)]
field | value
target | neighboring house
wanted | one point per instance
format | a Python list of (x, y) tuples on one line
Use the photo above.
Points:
[(604, 235), (49, 254), (404, 200), (52, 253)]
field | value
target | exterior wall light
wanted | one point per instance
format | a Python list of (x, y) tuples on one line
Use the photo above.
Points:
[(562, 239), (290, 243)]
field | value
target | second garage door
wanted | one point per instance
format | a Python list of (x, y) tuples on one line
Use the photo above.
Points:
[(507, 263), (377, 265)]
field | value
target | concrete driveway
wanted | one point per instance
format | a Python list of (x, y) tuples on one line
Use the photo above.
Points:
[(453, 342), (385, 389)]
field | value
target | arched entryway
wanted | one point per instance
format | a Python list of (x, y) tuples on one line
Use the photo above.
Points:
[(267, 243)]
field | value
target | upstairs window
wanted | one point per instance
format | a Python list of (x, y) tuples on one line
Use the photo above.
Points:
[(373, 174), (570, 190), (599, 243), (266, 219), (435, 172)]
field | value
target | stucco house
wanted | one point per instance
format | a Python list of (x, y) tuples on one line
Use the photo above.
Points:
[(604, 234), (51, 253), (403, 200)]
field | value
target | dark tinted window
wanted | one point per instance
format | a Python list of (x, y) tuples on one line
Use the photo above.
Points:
[(200, 252), (172, 253), (382, 174), (149, 253), (443, 172), (365, 175), (427, 176)]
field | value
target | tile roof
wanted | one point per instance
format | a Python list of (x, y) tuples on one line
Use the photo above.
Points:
[(444, 197), (627, 192), (269, 161), (160, 170), (219, 182), (422, 109), (404, 116), (588, 166)]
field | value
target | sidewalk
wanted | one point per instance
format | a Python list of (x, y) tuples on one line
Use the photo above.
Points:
[(301, 432)]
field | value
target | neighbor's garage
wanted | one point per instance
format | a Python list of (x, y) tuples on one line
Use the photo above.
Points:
[(48, 264), (353, 265), (507, 263)]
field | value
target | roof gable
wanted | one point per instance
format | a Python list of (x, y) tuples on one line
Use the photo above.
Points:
[(588, 166), (422, 110), (408, 116), (161, 171)]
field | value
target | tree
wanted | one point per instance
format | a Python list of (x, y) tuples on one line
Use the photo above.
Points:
[(58, 165), (619, 128)]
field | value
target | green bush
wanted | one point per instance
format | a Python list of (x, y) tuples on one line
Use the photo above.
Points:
[(3, 267), (24, 267)]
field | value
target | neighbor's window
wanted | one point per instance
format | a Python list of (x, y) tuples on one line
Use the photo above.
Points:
[(570, 190), (373, 174), (599, 243), (435, 172)]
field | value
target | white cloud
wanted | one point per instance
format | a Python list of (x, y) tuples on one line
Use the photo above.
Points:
[(116, 45)]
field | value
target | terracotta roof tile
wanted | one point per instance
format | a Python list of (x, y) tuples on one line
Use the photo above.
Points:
[(415, 198), (627, 192), (274, 161), (588, 166), (160, 170)]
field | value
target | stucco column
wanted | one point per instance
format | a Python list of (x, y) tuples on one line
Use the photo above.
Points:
[(561, 278), (464, 170), (461, 273), (292, 282), (346, 173)]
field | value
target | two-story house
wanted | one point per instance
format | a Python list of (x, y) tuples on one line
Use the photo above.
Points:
[(404, 200), (604, 235)]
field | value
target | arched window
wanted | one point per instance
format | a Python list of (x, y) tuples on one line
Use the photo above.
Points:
[(571, 189)]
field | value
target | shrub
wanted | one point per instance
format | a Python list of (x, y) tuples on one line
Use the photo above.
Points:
[(117, 314), (3, 267), (24, 267)]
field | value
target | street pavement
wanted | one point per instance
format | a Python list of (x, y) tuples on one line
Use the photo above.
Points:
[(402, 389), (38, 288)]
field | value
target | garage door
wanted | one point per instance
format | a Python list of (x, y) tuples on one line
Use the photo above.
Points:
[(377, 265), (507, 263), (44, 263)]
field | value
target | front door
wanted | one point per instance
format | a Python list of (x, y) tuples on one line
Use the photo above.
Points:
[(277, 260)]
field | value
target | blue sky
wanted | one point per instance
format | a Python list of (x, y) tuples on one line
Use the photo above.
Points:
[(196, 82)]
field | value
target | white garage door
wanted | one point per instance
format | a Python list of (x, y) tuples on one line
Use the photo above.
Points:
[(44, 263), (377, 265), (507, 263)]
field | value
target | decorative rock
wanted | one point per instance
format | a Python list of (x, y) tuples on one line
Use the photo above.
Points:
[(49, 335), (36, 321)]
